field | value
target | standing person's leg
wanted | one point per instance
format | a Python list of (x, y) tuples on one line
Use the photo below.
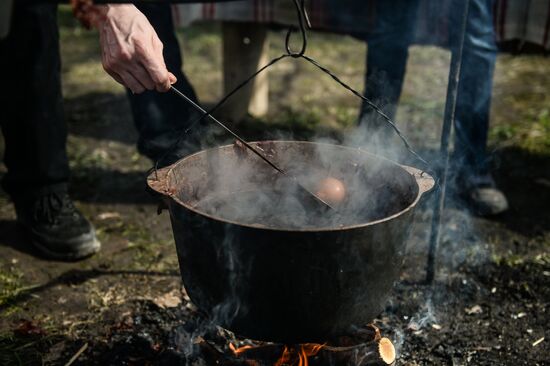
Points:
[(35, 135), (473, 107), (387, 54), (33, 120), (160, 118)]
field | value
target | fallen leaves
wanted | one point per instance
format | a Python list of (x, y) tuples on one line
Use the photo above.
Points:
[(474, 310), (108, 216), (170, 299), (519, 315)]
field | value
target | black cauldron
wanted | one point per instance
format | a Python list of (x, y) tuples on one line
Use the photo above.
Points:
[(289, 284)]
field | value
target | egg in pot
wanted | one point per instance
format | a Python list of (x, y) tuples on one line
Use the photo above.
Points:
[(331, 190)]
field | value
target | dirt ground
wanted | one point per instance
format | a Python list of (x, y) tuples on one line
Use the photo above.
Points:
[(124, 306)]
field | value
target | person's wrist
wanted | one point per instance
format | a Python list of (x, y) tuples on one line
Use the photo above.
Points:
[(100, 15), (111, 11), (86, 12)]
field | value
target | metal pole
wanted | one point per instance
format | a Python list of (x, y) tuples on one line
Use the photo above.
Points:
[(443, 166)]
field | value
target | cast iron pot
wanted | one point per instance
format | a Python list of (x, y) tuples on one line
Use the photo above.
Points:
[(289, 285)]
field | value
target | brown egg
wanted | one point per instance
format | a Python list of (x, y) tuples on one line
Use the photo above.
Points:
[(331, 190)]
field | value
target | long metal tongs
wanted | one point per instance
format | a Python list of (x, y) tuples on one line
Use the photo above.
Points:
[(304, 193)]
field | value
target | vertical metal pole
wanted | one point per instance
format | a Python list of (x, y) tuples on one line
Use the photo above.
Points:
[(443, 166)]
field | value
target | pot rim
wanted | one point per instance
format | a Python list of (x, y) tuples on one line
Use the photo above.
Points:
[(428, 182)]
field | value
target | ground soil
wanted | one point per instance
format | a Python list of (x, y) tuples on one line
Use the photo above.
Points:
[(125, 306)]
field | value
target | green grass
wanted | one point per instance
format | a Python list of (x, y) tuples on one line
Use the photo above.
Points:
[(11, 285)]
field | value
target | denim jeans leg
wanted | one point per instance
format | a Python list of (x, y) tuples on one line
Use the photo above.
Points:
[(161, 117), (388, 51), (475, 88)]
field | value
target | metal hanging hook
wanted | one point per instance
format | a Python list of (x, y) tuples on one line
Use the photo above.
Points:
[(303, 19)]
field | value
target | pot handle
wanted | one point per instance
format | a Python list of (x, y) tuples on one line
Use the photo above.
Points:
[(425, 181), (157, 180), (158, 185)]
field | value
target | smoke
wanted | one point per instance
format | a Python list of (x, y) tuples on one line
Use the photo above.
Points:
[(189, 337), (423, 318), (239, 187)]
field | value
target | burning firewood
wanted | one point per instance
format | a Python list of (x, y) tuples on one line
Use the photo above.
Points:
[(378, 351)]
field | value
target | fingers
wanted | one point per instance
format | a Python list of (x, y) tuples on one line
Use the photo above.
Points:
[(116, 70), (140, 74), (152, 59), (172, 78), (132, 83), (127, 72)]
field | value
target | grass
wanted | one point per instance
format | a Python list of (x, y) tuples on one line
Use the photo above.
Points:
[(11, 285)]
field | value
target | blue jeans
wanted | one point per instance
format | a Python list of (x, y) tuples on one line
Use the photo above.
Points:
[(386, 63), (476, 85), (388, 51)]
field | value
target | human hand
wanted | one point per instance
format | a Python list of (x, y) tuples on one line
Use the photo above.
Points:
[(131, 49)]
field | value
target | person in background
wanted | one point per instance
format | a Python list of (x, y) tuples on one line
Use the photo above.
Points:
[(33, 122), (386, 64)]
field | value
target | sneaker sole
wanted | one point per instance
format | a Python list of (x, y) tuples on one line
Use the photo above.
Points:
[(85, 250)]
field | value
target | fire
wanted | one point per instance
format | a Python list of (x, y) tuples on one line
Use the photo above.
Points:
[(298, 356), (239, 351), (292, 355)]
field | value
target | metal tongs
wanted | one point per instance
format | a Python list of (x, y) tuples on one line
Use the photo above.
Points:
[(307, 197)]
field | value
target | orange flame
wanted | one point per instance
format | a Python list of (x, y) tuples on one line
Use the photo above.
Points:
[(240, 350), (298, 357), (291, 356)]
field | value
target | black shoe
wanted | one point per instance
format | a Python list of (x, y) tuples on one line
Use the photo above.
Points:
[(482, 195), (57, 229)]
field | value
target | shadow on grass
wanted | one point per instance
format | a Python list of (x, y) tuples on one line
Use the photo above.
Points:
[(13, 236), (75, 277), (99, 185), (525, 179), (107, 116), (102, 116)]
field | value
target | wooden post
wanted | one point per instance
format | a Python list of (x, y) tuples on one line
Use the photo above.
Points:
[(245, 50)]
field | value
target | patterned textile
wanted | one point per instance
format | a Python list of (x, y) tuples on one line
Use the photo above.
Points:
[(520, 25)]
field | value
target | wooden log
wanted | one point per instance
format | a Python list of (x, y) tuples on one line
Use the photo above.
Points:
[(377, 352), (245, 50)]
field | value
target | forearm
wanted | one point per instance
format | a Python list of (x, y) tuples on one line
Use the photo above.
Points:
[(131, 51)]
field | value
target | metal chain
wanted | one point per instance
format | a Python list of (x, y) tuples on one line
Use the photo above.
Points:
[(303, 19)]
